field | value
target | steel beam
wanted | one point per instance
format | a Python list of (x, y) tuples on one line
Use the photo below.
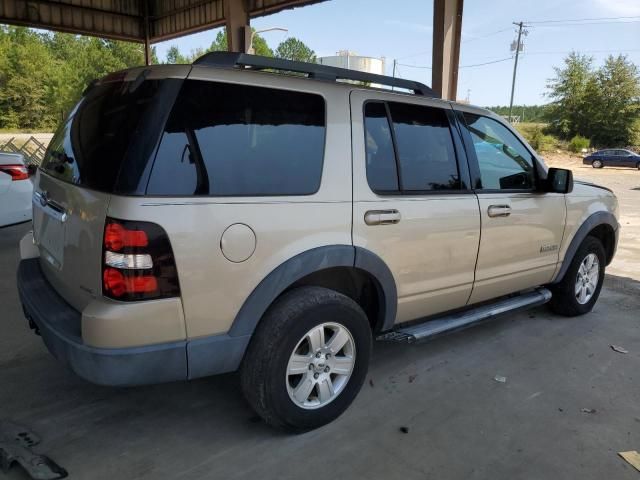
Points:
[(447, 29)]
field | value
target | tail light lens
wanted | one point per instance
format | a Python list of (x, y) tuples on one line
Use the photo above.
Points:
[(138, 262), (17, 172)]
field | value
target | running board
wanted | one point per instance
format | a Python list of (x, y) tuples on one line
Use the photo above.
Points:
[(465, 319)]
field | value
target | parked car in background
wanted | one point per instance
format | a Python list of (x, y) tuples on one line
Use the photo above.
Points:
[(613, 158), (15, 189)]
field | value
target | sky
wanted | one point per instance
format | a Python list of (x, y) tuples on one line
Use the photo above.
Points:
[(402, 30)]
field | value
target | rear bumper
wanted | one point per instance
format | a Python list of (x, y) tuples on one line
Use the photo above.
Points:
[(60, 327)]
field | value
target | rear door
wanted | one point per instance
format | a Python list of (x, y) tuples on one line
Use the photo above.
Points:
[(99, 140), (412, 205), (521, 228)]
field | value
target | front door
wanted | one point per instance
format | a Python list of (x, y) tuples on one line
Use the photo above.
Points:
[(411, 200), (522, 228)]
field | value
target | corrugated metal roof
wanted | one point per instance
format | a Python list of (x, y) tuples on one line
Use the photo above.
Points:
[(125, 19)]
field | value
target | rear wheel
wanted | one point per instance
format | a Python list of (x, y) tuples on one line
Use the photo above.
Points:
[(638, 165), (307, 360), (578, 291), (597, 164)]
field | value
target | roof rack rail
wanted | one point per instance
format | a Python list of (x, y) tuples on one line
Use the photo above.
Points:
[(313, 70)]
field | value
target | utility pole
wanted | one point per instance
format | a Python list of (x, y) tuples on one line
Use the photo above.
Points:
[(515, 65), (395, 63)]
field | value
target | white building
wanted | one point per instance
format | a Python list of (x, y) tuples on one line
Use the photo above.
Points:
[(350, 60)]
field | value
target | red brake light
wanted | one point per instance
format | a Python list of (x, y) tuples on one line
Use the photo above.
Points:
[(117, 284), (137, 262), (17, 172), (116, 237)]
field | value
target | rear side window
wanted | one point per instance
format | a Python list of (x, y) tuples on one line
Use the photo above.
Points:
[(237, 140), (409, 149), (90, 147)]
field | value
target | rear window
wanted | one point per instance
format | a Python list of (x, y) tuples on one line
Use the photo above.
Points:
[(90, 147), (237, 140)]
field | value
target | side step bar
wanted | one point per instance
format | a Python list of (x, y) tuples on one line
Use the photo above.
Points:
[(458, 321)]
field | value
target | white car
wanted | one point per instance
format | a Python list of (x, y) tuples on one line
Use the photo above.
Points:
[(16, 189)]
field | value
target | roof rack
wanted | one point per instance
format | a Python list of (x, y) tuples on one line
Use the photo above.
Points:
[(313, 70)]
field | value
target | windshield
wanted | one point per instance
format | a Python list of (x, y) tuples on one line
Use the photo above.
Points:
[(89, 148)]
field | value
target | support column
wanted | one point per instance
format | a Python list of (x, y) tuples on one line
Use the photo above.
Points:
[(147, 28), (447, 29), (236, 15)]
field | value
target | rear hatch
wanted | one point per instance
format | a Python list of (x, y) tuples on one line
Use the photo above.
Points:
[(103, 148)]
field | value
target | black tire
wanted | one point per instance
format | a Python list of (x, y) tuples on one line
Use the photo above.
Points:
[(597, 164), (564, 301), (263, 372), (638, 165)]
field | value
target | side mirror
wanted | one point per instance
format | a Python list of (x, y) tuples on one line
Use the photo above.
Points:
[(559, 180)]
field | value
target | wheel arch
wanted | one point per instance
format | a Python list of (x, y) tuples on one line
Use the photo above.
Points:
[(354, 271), (602, 225)]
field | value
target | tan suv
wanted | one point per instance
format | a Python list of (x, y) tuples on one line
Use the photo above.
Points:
[(197, 219)]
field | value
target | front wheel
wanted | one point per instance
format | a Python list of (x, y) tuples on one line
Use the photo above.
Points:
[(638, 165), (597, 164), (578, 291), (307, 360)]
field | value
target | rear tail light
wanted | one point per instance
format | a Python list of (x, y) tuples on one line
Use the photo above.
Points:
[(138, 262), (17, 172)]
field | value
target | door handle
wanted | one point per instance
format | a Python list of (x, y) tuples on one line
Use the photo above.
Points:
[(499, 211), (382, 217)]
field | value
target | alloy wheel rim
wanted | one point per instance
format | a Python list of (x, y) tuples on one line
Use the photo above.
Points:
[(597, 164), (320, 366), (587, 279)]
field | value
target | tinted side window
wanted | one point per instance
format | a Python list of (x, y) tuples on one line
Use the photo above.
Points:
[(382, 173), (229, 140), (422, 157), (425, 148), (504, 162)]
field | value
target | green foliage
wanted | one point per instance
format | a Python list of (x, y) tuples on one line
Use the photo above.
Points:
[(527, 113), (294, 49), (174, 56), (578, 143), (42, 75), (534, 134), (219, 44), (602, 104)]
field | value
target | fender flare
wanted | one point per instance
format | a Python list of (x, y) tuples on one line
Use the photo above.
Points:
[(309, 262), (594, 220)]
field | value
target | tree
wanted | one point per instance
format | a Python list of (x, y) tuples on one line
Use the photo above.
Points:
[(616, 102), (294, 49), (602, 105), (568, 110), (259, 44), (174, 56), (42, 75)]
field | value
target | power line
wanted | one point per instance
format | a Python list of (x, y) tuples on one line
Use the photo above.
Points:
[(581, 24), (461, 66), (581, 19), (584, 51), (473, 39)]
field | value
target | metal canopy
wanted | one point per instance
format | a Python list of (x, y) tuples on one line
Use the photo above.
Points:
[(149, 21), (133, 20)]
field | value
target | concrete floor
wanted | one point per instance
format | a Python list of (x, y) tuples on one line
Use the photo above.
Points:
[(462, 424)]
